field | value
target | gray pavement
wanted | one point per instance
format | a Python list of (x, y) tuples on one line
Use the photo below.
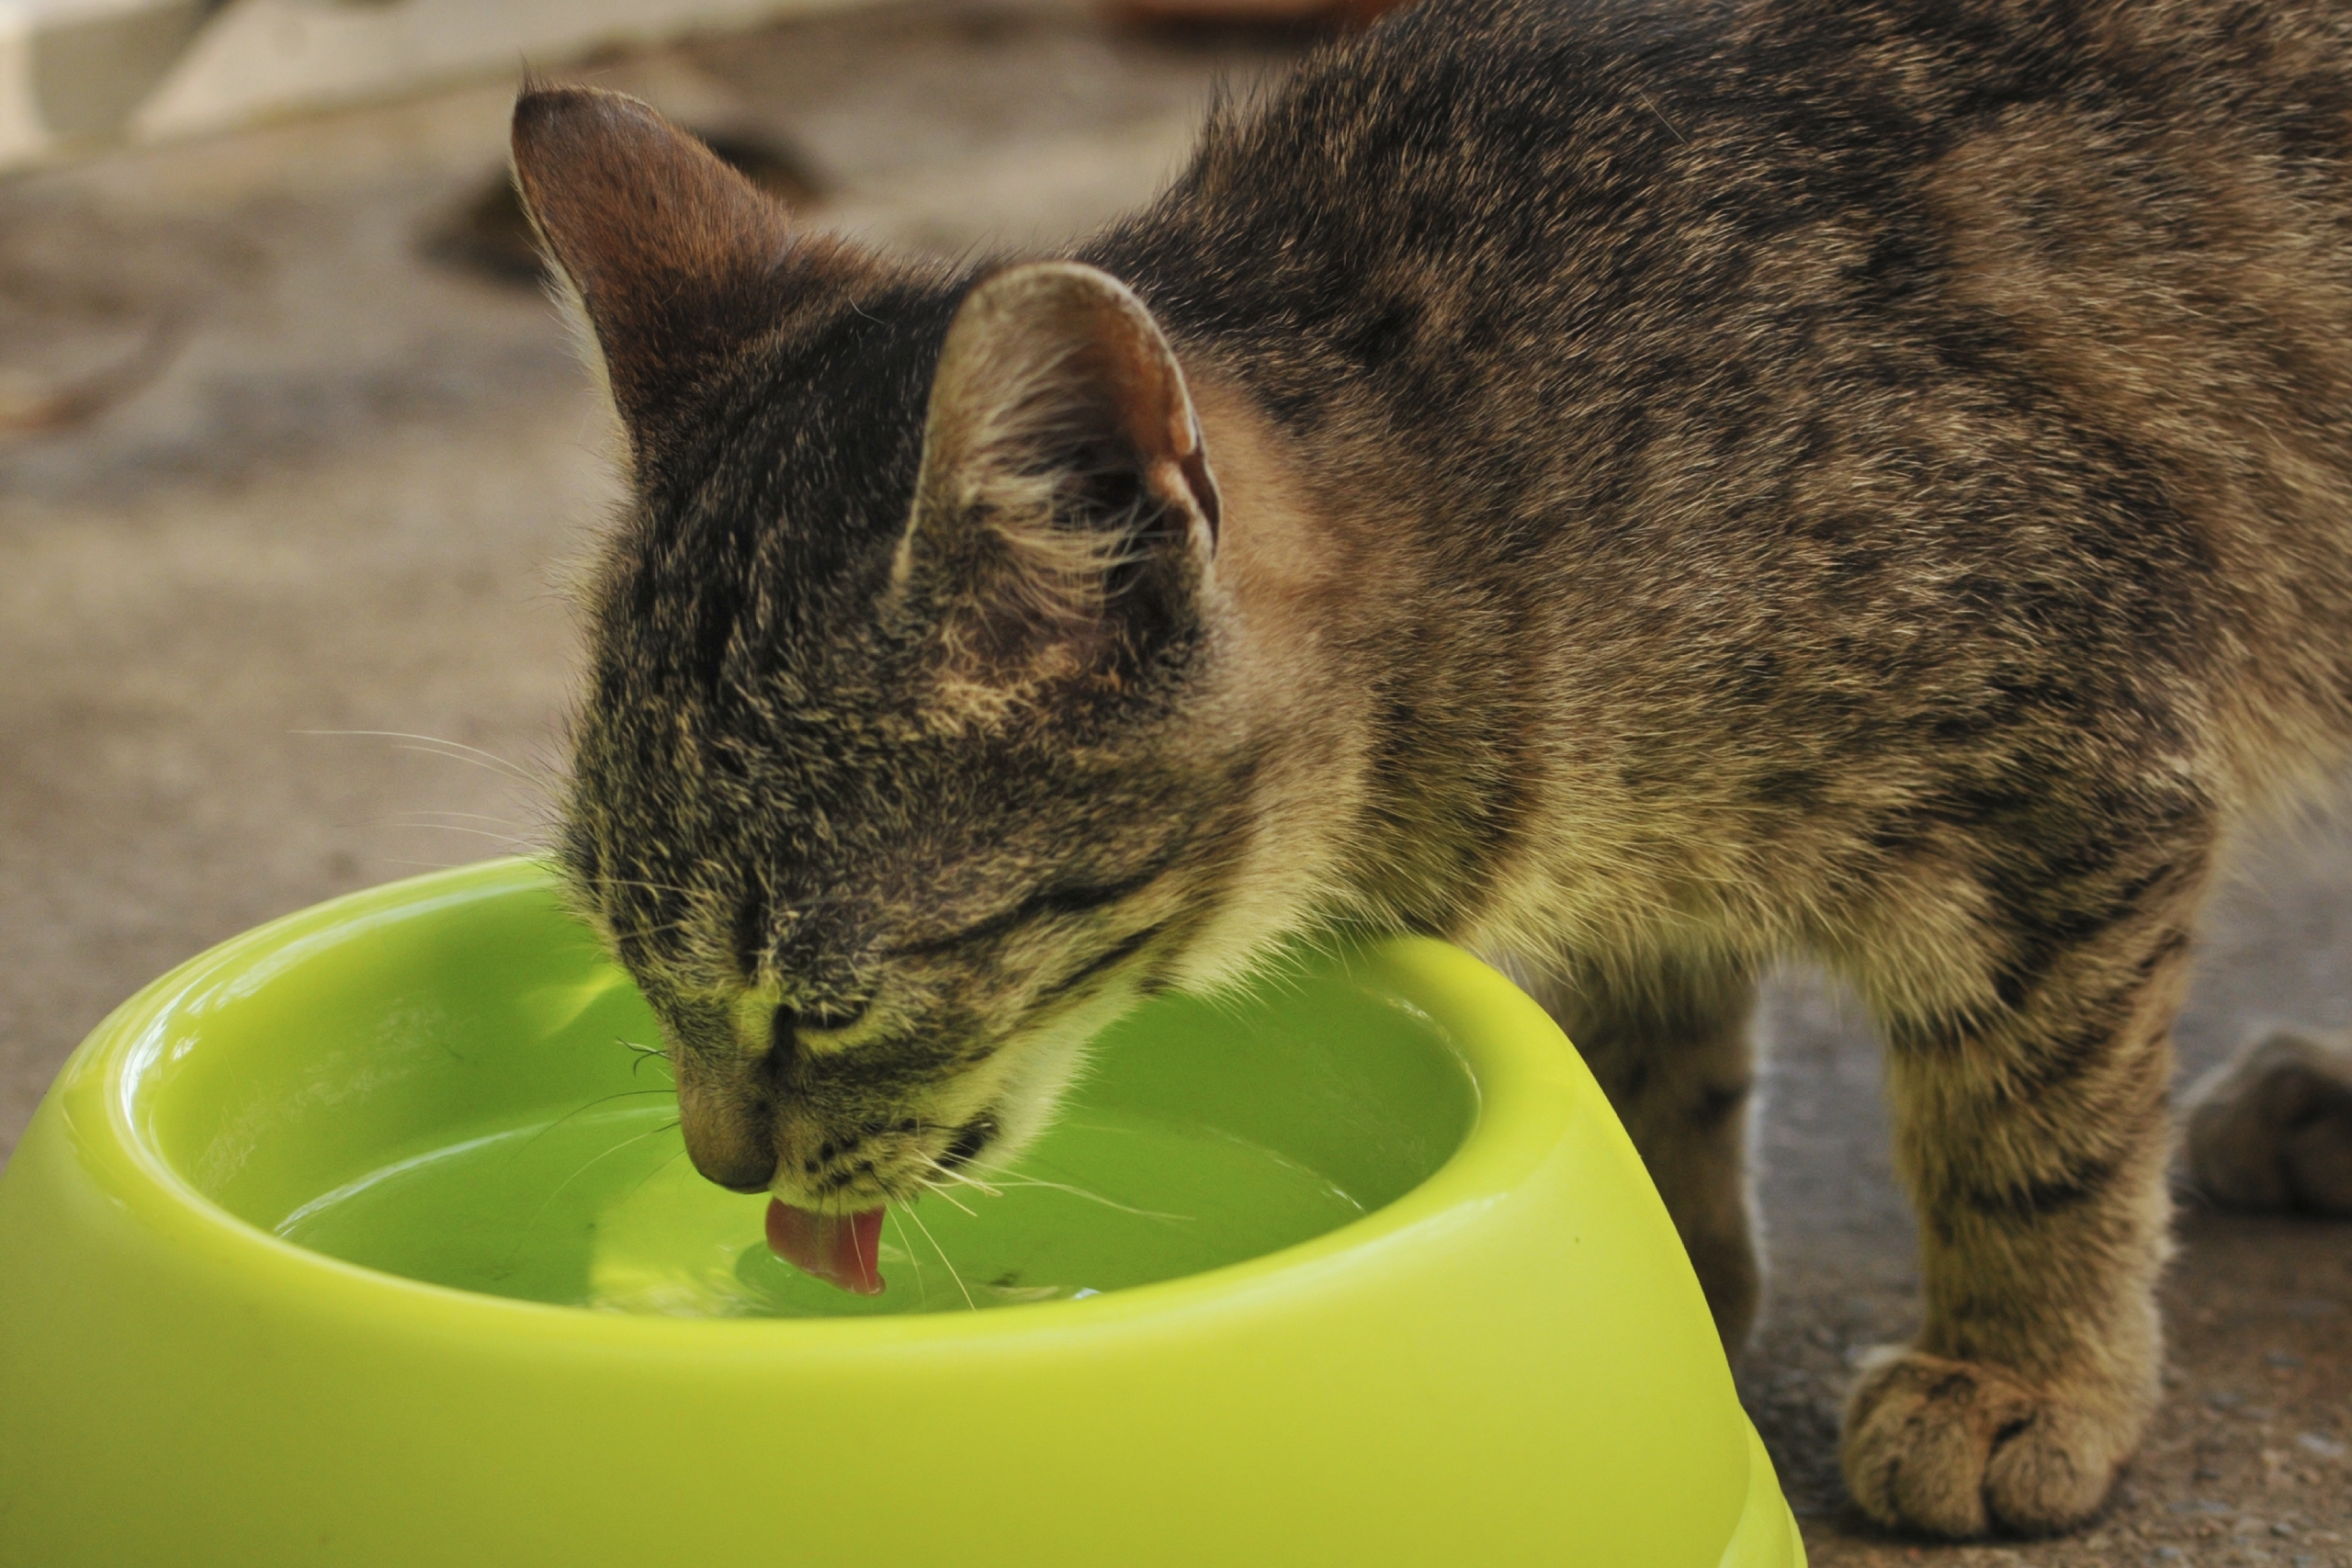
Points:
[(344, 510)]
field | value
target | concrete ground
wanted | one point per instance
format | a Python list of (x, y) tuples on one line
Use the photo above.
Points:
[(342, 514)]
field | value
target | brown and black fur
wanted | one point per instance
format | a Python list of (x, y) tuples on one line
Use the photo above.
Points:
[(1641, 489)]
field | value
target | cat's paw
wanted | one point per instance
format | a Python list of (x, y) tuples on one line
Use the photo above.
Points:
[(2272, 1127), (1960, 1449)]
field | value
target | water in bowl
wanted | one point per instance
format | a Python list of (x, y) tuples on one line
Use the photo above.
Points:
[(600, 1208)]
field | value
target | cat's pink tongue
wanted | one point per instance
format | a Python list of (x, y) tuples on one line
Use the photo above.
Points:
[(840, 1249)]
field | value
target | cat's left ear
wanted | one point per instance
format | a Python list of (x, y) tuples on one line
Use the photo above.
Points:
[(676, 260), (1065, 518)]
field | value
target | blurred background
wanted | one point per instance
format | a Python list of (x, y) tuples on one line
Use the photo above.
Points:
[(294, 461)]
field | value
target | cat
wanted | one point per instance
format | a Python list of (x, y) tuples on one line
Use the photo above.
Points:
[(1641, 488)]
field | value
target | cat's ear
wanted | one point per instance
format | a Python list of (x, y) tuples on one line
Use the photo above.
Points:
[(1065, 517), (673, 255)]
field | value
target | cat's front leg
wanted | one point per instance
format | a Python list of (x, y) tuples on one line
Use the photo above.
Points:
[(2034, 1142)]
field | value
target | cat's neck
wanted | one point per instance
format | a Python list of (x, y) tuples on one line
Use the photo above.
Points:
[(1343, 691)]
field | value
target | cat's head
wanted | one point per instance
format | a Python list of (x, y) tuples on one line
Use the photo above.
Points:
[(902, 764)]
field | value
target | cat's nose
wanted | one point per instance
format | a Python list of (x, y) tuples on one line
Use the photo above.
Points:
[(738, 1163), (729, 1134)]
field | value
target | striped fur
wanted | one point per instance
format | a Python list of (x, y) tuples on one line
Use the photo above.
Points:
[(1641, 488)]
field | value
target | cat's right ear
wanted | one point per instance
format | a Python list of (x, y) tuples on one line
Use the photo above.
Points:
[(674, 256), (1065, 515)]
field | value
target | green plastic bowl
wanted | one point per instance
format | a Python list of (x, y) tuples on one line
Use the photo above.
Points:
[(1473, 1339)]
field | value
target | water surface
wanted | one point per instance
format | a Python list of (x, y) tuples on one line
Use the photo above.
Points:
[(600, 1208)]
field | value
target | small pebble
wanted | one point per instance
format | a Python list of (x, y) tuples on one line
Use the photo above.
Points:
[(2320, 1444), (2283, 1358)]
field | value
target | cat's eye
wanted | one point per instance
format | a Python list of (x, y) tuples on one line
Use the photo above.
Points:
[(827, 1019)]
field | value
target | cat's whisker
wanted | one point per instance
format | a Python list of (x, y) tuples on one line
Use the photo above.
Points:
[(939, 1191), (963, 1178), (423, 818), (912, 1261), (579, 1110), (1024, 1178), (509, 839), (498, 765), (984, 1189), (655, 1171), (1106, 1202), (452, 757), (592, 1161), (645, 1054), (456, 750), (946, 1261)]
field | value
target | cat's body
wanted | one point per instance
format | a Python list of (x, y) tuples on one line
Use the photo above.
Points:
[(1643, 489)]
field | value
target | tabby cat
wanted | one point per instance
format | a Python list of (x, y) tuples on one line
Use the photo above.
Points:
[(1640, 487)]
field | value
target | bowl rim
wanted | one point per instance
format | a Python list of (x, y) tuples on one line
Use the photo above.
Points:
[(1528, 1094)]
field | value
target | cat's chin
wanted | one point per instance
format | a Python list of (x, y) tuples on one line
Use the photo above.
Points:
[(840, 1249), (1047, 1061)]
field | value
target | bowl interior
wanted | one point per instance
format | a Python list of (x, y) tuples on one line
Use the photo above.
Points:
[(462, 1090)]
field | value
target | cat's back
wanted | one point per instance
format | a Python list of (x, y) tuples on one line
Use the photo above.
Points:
[(1476, 170), (1941, 329)]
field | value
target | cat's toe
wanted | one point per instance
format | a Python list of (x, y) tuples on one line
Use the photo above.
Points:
[(2272, 1127), (1960, 1449)]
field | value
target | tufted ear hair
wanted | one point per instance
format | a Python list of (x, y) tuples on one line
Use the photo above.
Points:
[(674, 256), (1065, 517)]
